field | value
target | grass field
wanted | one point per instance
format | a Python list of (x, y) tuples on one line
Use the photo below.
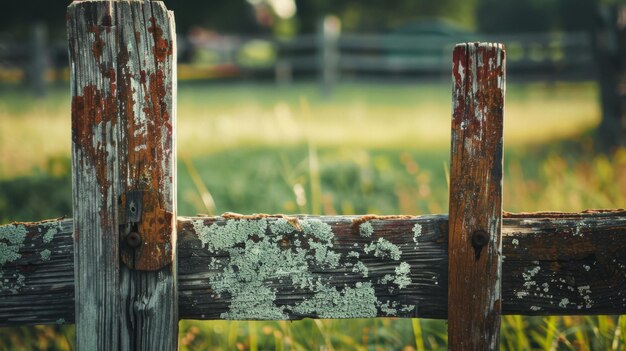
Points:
[(369, 149)]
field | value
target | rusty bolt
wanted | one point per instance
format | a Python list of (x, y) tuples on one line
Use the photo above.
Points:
[(480, 238), (133, 239)]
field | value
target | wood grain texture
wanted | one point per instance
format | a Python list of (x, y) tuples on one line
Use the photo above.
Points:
[(36, 273), (579, 258), (123, 84), (475, 262)]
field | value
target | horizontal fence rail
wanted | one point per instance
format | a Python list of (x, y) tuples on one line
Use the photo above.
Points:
[(368, 266)]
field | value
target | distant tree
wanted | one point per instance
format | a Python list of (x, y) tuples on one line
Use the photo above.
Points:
[(514, 16), (376, 16), (232, 16)]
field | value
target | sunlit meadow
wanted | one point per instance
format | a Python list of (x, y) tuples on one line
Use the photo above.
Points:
[(368, 149)]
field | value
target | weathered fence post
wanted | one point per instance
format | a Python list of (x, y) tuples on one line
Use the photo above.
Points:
[(475, 219), (38, 59), (123, 58), (328, 61)]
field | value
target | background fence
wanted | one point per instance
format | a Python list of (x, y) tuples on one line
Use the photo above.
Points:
[(418, 52)]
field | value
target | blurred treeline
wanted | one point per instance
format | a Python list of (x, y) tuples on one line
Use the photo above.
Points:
[(290, 17)]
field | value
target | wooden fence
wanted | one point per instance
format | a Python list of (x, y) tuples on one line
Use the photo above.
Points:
[(125, 269), (389, 56)]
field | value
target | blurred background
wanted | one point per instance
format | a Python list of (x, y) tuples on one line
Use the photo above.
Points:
[(340, 107)]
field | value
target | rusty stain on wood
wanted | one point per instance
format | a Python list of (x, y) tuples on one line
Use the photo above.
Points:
[(475, 264), (145, 215)]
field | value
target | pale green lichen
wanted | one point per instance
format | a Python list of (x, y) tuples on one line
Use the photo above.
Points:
[(386, 279), (49, 236), (384, 248), (564, 302), (12, 283), (328, 302), (281, 226), (318, 229), (354, 254), (324, 255), (528, 276), (218, 237), (11, 241), (403, 278), (359, 267), (417, 232), (45, 255), (255, 301), (255, 259), (389, 308), (366, 230), (60, 321), (407, 308)]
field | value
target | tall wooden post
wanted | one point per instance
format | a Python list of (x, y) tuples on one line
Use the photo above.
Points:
[(475, 219), (123, 78)]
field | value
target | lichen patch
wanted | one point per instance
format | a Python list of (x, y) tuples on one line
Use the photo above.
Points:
[(350, 302), (366, 230), (12, 238), (256, 259), (417, 232), (384, 248)]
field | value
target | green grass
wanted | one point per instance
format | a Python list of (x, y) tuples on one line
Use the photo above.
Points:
[(370, 149)]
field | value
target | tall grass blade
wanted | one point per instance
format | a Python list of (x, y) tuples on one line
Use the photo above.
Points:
[(417, 334), (205, 195)]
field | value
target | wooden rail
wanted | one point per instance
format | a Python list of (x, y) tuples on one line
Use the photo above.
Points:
[(553, 264)]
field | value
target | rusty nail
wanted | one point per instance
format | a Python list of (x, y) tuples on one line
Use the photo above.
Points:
[(133, 239), (480, 238)]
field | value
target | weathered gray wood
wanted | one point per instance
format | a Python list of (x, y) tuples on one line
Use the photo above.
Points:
[(319, 267), (475, 262), (548, 257), (36, 273), (122, 58)]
